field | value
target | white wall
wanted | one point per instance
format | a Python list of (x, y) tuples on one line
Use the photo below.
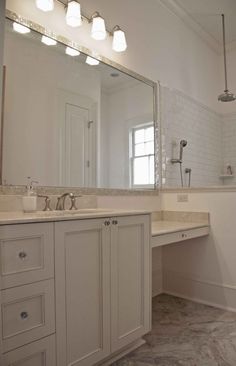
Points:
[(204, 269), (160, 45)]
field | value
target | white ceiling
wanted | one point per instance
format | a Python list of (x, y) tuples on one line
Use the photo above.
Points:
[(206, 15)]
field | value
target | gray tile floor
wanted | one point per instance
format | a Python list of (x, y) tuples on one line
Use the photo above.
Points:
[(185, 333)]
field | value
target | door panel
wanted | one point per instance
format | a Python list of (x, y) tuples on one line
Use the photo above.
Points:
[(82, 278), (130, 280)]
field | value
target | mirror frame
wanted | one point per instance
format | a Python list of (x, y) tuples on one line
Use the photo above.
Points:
[(156, 107)]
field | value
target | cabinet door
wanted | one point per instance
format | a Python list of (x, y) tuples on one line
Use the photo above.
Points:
[(130, 279), (82, 260)]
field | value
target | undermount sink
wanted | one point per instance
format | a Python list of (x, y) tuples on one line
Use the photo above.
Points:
[(82, 211), (86, 211)]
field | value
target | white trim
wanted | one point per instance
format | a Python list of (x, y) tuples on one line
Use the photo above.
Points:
[(190, 22), (200, 290)]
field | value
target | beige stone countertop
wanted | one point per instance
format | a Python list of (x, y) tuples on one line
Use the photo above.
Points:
[(18, 217), (165, 227)]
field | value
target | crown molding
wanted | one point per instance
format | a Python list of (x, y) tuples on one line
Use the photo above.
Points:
[(181, 13)]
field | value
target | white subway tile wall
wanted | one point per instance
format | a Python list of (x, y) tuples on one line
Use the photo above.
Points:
[(229, 147), (211, 141)]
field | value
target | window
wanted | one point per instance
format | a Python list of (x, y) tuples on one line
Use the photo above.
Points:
[(142, 156)]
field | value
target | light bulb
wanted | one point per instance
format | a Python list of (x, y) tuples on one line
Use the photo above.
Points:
[(119, 43), (45, 5), (48, 41), (72, 52), (98, 30), (20, 28), (73, 14), (91, 61)]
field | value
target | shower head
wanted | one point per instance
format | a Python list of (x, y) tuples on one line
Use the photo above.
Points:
[(227, 97), (183, 143)]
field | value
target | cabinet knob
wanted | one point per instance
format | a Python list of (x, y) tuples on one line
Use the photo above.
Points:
[(24, 315), (184, 235), (107, 223), (114, 222), (22, 255)]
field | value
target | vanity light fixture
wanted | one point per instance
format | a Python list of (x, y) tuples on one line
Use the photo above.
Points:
[(98, 30), (119, 43), (20, 28), (73, 14), (75, 18), (92, 61), (72, 52), (45, 5), (48, 41)]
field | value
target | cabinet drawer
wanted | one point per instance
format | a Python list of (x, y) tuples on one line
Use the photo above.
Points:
[(26, 253), (27, 313), (165, 239), (39, 353)]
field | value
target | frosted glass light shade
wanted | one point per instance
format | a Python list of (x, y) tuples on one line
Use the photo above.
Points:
[(45, 5), (91, 61), (119, 43), (20, 28), (73, 14), (98, 30), (48, 41), (72, 52)]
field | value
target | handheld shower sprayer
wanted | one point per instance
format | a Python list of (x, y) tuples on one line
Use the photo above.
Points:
[(182, 144)]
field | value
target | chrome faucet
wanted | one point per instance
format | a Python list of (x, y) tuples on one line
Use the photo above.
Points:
[(61, 200)]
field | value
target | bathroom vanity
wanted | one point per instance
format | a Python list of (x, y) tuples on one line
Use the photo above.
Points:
[(75, 288)]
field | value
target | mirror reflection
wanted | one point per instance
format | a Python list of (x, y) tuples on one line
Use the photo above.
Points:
[(71, 120)]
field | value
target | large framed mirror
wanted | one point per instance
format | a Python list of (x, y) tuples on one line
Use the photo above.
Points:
[(74, 120)]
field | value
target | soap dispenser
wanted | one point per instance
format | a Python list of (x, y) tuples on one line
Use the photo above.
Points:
[(29, 200)]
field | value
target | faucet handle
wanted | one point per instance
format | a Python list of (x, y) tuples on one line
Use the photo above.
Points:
[(73, 202), (47, 202)]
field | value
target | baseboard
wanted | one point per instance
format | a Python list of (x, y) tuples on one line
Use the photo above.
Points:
[(122, 353), (157, 292), (205, 292)]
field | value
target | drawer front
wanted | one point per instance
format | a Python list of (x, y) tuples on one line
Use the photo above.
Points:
[(27, 313), (26, 253), (39, 353), (165, 239)]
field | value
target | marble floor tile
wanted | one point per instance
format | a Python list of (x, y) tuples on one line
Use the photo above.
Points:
[(185, 333)]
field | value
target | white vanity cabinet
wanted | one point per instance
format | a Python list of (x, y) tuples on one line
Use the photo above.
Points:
[(102, 287), (74, 292), (27, 299)]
